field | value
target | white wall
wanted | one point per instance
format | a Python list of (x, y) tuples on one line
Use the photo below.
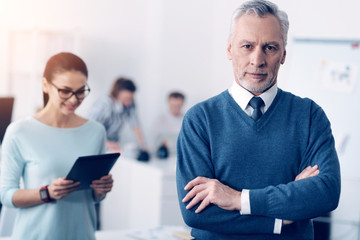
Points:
[(162, 45)]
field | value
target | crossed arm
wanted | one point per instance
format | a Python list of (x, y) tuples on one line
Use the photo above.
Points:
[(207, 203), (211, 191)]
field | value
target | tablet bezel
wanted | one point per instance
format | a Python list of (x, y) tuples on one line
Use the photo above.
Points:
[(92, 167)]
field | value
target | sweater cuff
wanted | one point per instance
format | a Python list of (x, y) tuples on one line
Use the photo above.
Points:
[(246, 210), (245, 202), (259, 204)]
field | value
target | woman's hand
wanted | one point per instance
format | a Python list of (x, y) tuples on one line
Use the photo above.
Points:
[(102, 187), (61, 187)]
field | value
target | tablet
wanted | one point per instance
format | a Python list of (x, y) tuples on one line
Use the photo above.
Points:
[(89, 168)]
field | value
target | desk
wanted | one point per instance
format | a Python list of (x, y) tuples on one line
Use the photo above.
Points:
[(157, 233), (144, 195)]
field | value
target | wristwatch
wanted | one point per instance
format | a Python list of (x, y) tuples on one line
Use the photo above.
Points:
[(44, 194)]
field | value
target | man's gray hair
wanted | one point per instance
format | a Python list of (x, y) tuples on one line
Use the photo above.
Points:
[(261, 8)]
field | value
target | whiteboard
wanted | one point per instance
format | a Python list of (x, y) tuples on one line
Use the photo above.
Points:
[(328, 71)]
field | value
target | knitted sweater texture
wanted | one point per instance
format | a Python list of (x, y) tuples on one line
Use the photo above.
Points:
[(219, 140)]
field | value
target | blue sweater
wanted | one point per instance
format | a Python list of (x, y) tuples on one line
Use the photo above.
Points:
[(219, 140)]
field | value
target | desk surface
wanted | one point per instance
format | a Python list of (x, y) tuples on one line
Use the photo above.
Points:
[(157, 233)]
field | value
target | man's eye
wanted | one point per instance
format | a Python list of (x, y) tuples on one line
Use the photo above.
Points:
[(247, 46), (270, 48)]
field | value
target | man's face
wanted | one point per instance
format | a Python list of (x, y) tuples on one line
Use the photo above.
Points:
[(256, 49), (175, 105)]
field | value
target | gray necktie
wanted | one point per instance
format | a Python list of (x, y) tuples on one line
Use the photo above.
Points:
[(256, 103)]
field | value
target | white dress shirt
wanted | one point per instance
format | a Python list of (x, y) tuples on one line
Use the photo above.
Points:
[(166, 128), (242, 97)]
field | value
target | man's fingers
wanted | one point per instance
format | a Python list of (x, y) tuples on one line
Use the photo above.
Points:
[(203, 205), (287, 222), (315, 173), (304, 173), (308, 172), (199, 197), (210, 191), (194, 182), (195, 190), (312, 171)]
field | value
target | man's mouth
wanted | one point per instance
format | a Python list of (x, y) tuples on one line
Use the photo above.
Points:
[(257, 75)]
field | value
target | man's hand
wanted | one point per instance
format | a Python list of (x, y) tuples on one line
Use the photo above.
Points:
[(207, 191), (211, 191), (308, 172)]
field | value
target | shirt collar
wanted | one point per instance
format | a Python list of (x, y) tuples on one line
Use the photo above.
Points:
[(242, 96)]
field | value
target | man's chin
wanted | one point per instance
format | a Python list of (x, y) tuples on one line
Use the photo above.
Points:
[(257, 88)]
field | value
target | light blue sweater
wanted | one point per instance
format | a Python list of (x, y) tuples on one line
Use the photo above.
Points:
[(219, 140), (38, 154)]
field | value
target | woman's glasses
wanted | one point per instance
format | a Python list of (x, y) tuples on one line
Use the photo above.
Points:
[(65, 94)]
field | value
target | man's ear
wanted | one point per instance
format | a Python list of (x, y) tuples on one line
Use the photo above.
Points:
[(228, 49), (283, 57), (45, 85)]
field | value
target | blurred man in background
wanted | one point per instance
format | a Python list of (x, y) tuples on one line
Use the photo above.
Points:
[(167, 125)]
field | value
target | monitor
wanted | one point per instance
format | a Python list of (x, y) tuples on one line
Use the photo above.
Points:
[(6, 109)]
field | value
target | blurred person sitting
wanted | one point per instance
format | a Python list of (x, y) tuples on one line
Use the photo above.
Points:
[(116, 109), (168, 124)]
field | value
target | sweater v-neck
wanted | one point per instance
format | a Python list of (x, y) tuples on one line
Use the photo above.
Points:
[(260, 123)]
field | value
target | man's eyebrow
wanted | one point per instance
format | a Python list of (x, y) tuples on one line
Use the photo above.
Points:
[(273, 43), (252, 42), (245, 41)]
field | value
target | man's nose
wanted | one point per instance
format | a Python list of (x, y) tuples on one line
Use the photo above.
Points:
[(258, 58)]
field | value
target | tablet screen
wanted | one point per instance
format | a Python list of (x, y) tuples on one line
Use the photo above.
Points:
[(89, 168)]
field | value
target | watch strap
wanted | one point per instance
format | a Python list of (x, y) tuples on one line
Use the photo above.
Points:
[(44, 194)]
